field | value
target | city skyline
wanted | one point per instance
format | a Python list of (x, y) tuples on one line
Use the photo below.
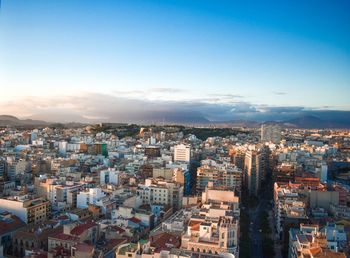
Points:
[(219, 61)]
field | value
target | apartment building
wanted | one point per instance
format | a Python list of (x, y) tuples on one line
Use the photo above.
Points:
[(182, 152), (290, 205), (220, 174), (155, 191), (32, 210), (215, 228), (311, 241)]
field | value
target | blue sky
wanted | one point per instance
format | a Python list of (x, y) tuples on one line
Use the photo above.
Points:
[(257, 53)]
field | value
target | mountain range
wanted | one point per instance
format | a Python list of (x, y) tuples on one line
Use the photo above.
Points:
[(301, 121), (8, 120)]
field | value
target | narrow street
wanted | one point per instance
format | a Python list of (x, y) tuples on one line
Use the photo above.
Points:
[(255, 230)]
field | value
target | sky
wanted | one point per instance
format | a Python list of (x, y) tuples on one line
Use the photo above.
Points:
[(247, 57)]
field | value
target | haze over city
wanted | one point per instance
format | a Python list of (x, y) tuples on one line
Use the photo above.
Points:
[(175, 61)]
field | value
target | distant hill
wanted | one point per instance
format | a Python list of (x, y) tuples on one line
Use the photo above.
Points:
[(7, 120), (313, 121)]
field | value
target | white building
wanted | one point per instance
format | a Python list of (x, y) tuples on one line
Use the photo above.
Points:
[(73, 147), (90, 196), (109, 176), (161, 192), (182, 152), (62, 148)]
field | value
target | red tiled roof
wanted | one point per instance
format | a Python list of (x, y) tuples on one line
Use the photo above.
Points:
[(116, 241), (65, 237), (82, 247), (63, 217), (10, 225), (135, 220), (165, 240), (59, 251), (118, 229), (78, 230), (315, 250), (194, 224)]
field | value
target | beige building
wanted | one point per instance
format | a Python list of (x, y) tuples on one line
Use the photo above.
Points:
[(73, 234), (182, 152), (165, 173), (155, 191), (29, 209), (178, 175), (215, 229), (220, 174), (57, 192)]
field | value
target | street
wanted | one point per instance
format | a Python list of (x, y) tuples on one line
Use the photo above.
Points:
[(254, 228)]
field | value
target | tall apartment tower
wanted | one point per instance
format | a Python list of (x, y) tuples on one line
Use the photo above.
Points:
[(237, 158), (182, 152), (270, 133), (252, 172), (3, 169)]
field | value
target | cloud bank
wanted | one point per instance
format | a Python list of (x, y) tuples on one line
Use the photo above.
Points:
[(93, 107)]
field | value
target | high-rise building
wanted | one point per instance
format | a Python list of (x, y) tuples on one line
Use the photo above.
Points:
[(62, 148), (252, 172), (3, 169), (221, 175), (182, 152), (270, 133), (237, 158)]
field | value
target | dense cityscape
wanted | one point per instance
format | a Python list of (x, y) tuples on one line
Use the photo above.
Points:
[(174, 129), (113, 190)]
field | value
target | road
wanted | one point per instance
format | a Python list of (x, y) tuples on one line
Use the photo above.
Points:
[(255, 228), (255, 234)]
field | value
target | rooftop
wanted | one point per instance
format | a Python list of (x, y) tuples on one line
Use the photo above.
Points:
[(78, 230)]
